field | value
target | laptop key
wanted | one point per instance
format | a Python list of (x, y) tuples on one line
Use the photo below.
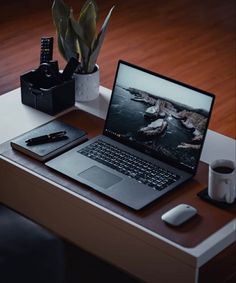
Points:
[(134, 167)]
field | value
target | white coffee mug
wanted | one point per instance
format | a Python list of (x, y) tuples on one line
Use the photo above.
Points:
[(221, 181)]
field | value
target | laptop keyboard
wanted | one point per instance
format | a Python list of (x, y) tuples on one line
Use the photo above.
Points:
[(143, 171)]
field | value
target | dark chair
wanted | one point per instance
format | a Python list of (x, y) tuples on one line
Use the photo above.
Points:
[(28, 252)]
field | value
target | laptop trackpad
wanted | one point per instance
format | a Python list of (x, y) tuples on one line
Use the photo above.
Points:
[(100, 177)]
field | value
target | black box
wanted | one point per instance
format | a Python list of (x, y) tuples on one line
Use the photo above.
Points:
[(50, 97)]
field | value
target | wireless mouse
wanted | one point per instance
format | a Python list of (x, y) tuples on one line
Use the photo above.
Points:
[(179, 214)]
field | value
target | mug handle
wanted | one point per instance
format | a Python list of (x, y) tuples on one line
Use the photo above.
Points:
[(230, 195)]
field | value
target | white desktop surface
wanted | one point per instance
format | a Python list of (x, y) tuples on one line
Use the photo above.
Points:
[(17, 118)]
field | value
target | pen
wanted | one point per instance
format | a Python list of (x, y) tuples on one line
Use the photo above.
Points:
[(46, 138)]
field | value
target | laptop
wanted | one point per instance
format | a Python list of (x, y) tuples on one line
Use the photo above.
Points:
[(151, 142)]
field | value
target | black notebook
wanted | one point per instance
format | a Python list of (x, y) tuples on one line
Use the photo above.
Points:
[(47, 150)]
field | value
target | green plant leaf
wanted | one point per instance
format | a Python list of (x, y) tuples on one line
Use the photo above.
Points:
[(87, 23), (83, 47), (78, 38), (60, 46), (71, 42), (60, 13), (95, 6), (76, 26), (98, 42), (68, 45)]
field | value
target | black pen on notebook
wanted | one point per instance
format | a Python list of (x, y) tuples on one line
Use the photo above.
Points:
[(46, 138)]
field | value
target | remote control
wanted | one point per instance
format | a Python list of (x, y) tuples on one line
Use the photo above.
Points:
[(46, 49), (69, 69)]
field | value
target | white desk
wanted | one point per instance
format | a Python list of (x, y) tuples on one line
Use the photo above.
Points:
[(127, 245)]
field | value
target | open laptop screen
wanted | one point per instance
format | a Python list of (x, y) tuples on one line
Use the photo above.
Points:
[(159, 116)]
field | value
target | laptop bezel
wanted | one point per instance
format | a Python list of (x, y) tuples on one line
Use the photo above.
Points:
[(151, 153)]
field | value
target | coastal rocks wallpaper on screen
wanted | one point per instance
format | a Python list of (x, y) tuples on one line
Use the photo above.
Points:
[(167, 124)]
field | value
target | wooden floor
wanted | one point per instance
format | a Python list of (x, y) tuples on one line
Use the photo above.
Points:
[(188, 40)]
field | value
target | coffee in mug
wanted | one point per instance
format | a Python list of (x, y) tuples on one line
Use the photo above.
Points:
[(222, 181), (223, 170)]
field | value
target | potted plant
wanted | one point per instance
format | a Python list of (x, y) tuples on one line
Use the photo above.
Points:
[(80, 39)]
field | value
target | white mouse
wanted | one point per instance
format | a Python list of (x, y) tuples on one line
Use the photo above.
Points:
[(179, 214)]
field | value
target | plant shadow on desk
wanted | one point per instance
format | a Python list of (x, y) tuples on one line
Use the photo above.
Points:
[(82, 266)]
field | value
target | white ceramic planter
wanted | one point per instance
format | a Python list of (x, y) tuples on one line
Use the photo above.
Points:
[(87, 85)]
